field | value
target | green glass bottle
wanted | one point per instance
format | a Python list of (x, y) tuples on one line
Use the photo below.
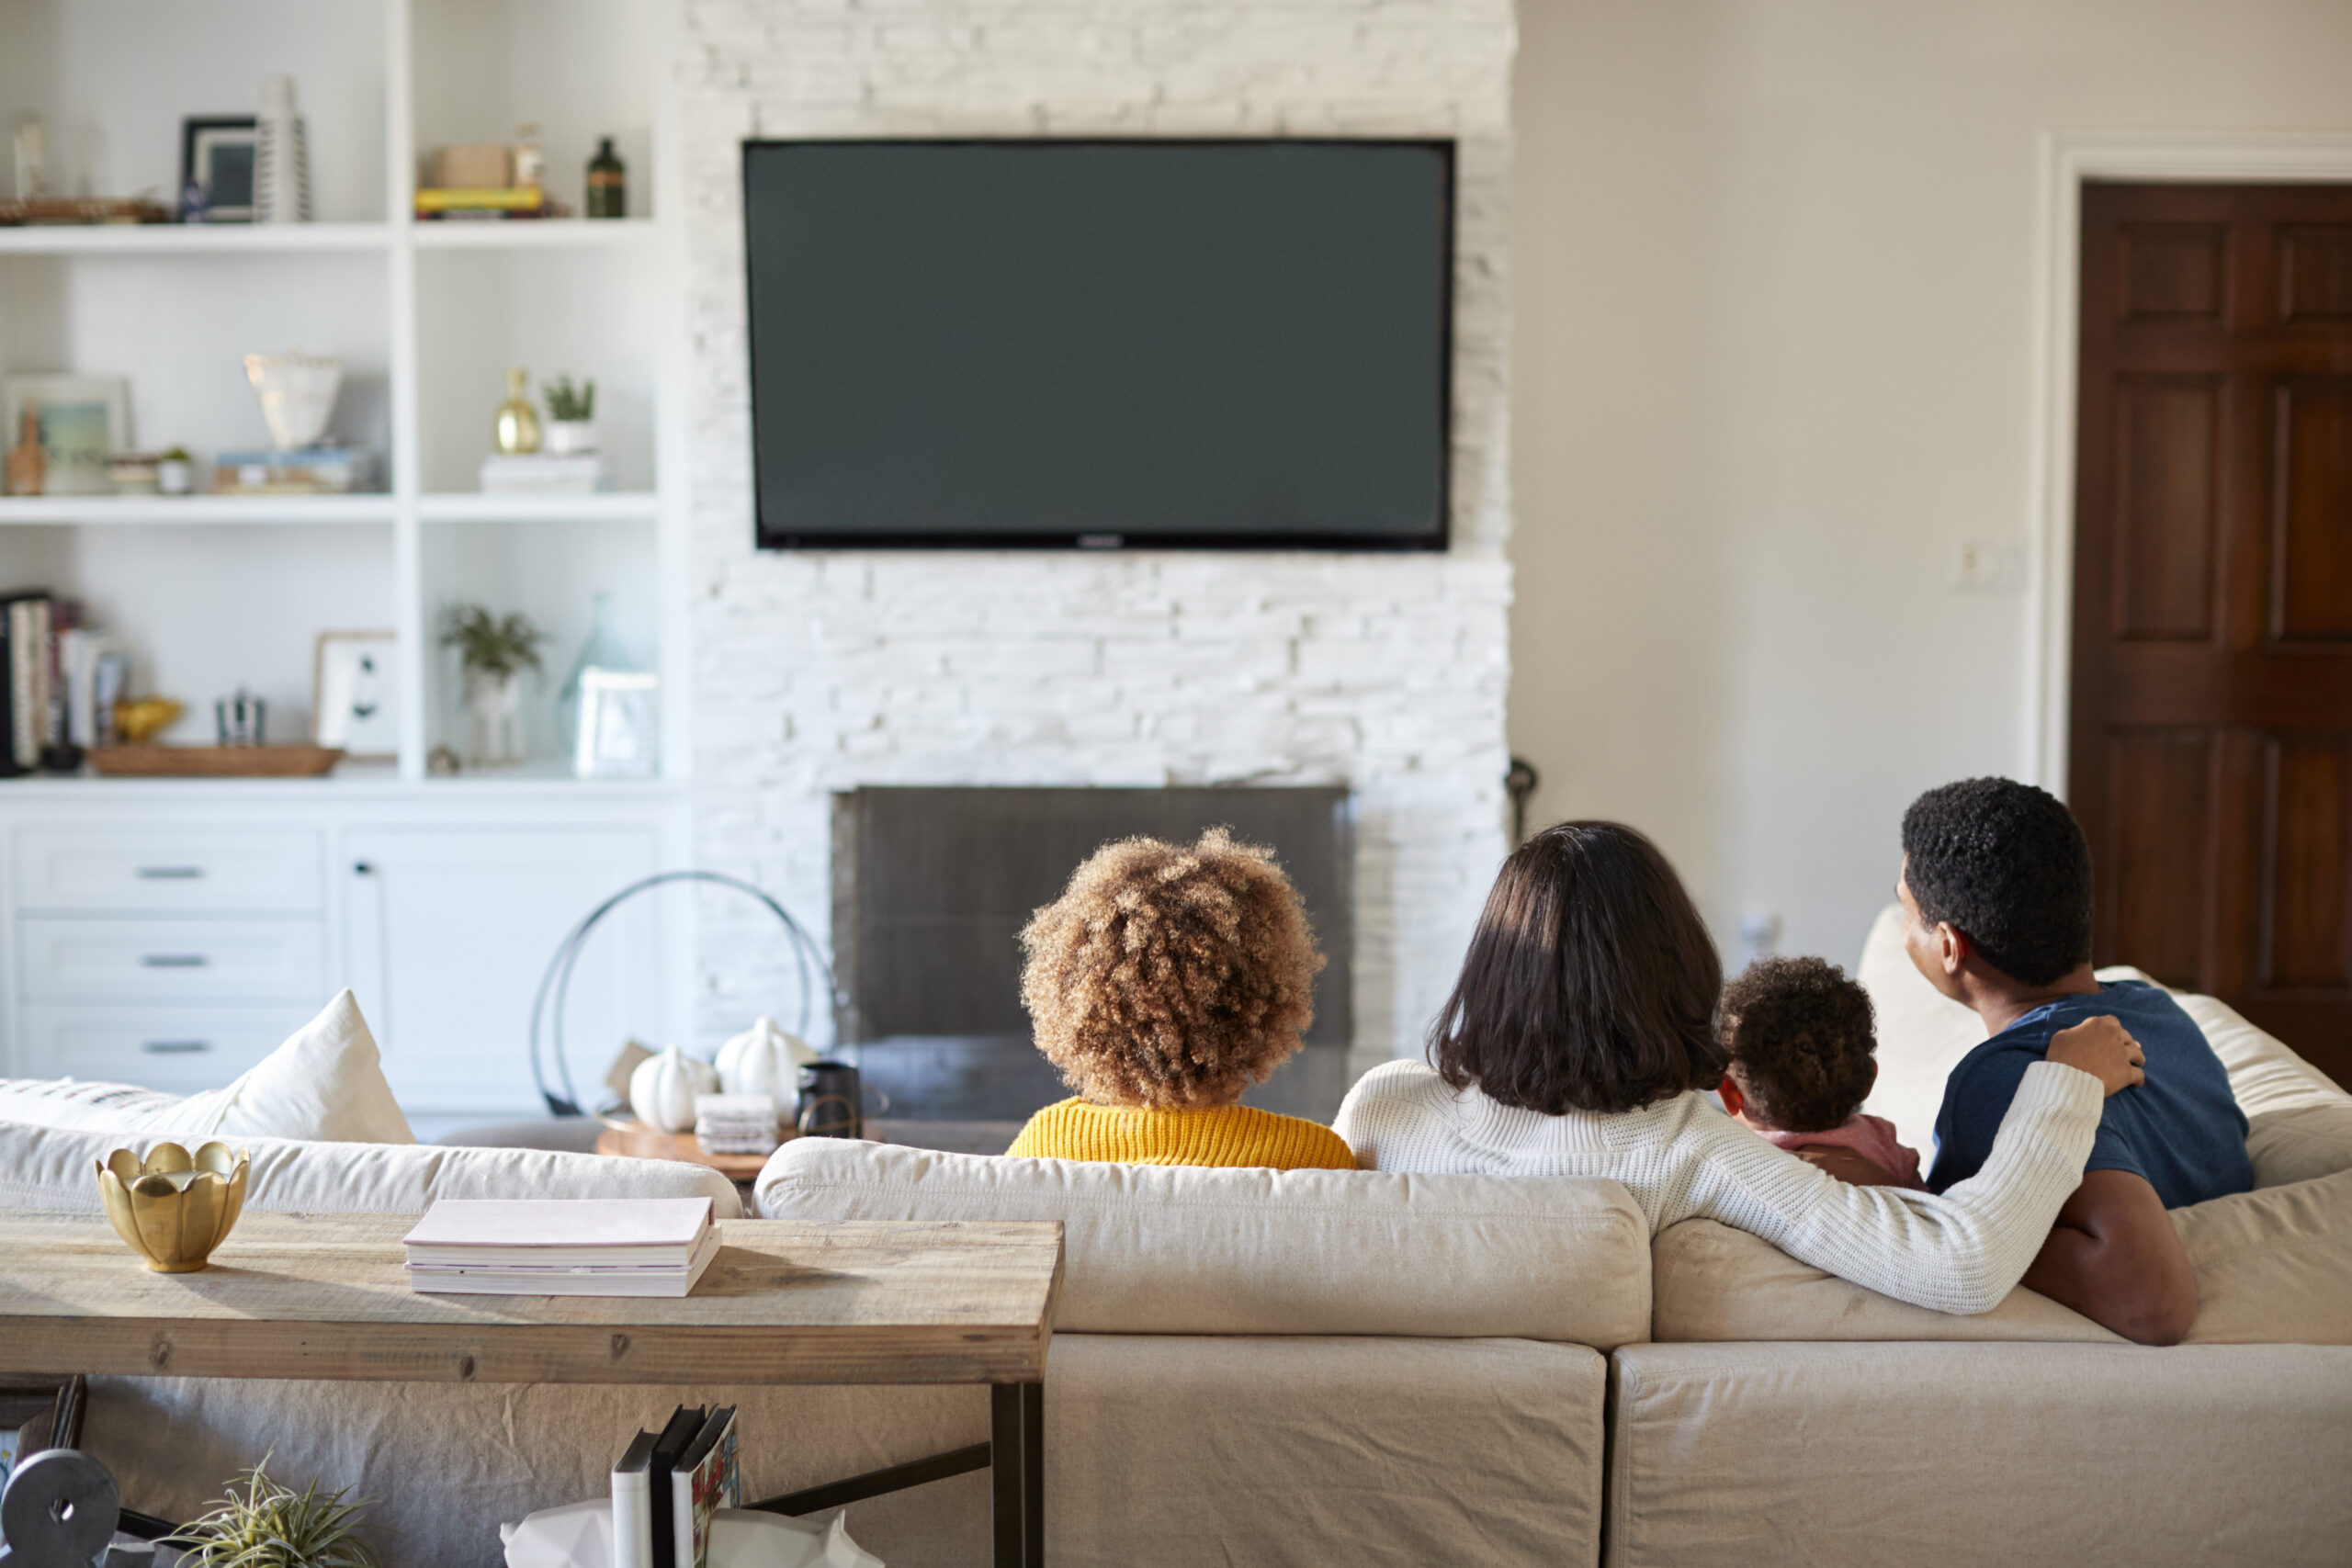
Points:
[(607, 182)]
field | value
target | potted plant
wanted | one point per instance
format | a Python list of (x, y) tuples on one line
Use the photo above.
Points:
[(493, 653), (276, 1527), (572, 414)]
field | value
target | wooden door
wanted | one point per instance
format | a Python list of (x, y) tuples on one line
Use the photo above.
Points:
[(2212, 748)]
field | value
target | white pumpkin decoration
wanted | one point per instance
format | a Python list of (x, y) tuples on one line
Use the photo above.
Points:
[(763, 1059), (661, 1091)]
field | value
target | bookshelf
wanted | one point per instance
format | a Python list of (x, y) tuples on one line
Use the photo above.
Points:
[(426, 317)]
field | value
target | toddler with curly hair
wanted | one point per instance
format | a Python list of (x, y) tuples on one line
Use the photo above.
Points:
[(1800, 1037), (1164, 981)]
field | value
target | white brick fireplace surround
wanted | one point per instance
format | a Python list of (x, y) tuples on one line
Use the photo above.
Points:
[(824, 670)]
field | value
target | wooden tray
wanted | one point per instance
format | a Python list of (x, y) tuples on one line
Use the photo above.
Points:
[(213, 762), (639, 1142)]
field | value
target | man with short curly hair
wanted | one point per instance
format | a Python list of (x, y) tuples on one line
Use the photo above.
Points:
[(1996, 891), (1163, 982)]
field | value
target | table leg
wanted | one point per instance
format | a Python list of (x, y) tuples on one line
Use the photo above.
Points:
[(1017, 1479)]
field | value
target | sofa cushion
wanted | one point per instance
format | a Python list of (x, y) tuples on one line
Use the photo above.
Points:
[(1167, 1249), (2301, 1122), (325, 1083), (55, 1167), (2094, 1456), (2273, 1267), (1713, 1283)]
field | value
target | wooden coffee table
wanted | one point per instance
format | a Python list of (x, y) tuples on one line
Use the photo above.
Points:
[(784, 1302)]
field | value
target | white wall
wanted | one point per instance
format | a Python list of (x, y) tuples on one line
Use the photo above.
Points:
[(1775, 263), (821, 672)]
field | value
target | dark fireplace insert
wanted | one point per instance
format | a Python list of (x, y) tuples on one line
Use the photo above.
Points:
[(932, 885)]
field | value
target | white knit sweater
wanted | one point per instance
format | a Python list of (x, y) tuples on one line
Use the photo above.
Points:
[(1961, 1251)]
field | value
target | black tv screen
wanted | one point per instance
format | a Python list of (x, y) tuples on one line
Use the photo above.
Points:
[(1100, 344)]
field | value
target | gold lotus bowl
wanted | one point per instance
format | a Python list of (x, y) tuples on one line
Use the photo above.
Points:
[(174, 1207)]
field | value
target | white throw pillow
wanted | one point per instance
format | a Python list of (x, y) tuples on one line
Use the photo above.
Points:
[(1922, 1035), (325, 1084)]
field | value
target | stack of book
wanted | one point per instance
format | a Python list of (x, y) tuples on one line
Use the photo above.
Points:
[(312, 470), (542, 473), (735, 1123), (561, 1246), (669, 1483), (28, 679), (434, 203)]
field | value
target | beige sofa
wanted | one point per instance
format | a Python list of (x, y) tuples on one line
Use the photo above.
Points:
[(1321, 1367)]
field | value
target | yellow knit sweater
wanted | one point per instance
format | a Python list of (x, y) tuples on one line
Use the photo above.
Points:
[(1219, 1134)]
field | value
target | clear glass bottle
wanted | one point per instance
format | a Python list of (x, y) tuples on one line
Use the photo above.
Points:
[(601, 650), (530, 161)]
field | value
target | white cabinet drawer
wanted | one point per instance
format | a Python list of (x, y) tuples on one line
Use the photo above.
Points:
[(179, 1049), (230, 872), (112, 961)]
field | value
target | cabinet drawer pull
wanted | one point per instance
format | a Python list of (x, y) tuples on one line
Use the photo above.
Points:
[(173, 961), (168, 873), (174, 1047)]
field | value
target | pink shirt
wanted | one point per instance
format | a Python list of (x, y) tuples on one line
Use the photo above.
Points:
[(1872, 1137)]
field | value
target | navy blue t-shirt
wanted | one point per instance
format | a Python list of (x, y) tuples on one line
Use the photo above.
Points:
[(2182, 1129)]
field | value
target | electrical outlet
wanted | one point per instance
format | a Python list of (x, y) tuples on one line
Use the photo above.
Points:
[(1988, 566)]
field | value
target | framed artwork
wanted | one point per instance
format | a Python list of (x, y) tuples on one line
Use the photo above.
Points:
[(217, 169), (84, 419), (356, 692)]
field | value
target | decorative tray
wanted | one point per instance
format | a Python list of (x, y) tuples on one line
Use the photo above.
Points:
[(213, 762)]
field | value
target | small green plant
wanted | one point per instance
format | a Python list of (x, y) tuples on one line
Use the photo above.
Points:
[(568, 402), (175, 455), (489, 645), (273, 1526)]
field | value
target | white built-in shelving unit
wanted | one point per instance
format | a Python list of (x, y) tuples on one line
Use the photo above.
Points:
[(213, 593)]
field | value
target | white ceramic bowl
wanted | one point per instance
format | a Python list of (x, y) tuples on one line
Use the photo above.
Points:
[(297, 393)]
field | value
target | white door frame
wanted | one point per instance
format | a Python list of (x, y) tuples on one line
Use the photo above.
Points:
[(2069, 158)]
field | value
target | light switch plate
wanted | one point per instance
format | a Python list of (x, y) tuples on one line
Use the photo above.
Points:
[(1988, 566)]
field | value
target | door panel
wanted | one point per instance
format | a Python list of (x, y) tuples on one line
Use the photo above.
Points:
[(2160, 788), (2307, 866), (2168, 432), (2311, 571), (2212, 754)]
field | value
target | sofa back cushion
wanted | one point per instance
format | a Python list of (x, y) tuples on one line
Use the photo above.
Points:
[(325, 1083), (2300, 1122), (1164, 1249), (55, 1167), (2274, 1265)]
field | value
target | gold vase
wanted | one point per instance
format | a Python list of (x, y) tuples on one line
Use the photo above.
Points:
[(173, 1207), (518, 421)]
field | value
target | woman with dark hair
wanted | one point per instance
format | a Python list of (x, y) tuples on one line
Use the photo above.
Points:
[(1578, 1041)]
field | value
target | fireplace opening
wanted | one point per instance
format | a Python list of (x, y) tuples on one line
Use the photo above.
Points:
[(931, 889)]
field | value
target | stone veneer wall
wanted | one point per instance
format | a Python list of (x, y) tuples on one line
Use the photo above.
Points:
[(820, 671)]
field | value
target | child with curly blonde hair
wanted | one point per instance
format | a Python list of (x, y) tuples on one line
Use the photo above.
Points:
[(1163, 982)]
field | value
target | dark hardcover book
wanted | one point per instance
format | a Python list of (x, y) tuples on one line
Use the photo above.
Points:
[(685, 1423)]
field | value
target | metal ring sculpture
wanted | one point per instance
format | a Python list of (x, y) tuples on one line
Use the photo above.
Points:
[(555, 986)]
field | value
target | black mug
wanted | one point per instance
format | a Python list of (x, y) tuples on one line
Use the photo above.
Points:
[(832, 1103)]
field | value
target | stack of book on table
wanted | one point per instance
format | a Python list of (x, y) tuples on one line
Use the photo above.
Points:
[(735, 1123), (561, 1246), (669, 1483), (542, 473)]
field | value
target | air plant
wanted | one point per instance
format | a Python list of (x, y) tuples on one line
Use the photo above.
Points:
[(273, 1526), (488, 645)]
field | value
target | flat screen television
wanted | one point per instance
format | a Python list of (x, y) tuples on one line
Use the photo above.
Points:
[(1101, 344)]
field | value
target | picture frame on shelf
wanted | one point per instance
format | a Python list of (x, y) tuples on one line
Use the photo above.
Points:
[(356, 695), (217, 159), (84, 421)]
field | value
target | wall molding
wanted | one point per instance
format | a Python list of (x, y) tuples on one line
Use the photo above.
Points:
[(2067, 159)]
